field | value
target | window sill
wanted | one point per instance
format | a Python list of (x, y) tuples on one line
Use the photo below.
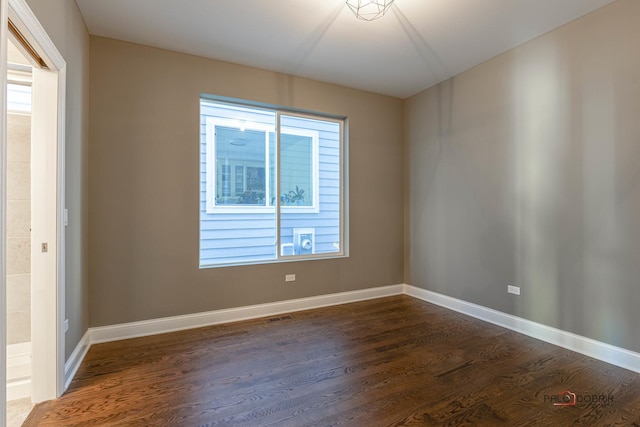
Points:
[(298, 258)]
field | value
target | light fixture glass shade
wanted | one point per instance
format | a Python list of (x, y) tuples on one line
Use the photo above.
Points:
[(369, 9)]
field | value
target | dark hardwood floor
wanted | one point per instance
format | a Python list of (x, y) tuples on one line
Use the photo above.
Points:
[(393, 361)]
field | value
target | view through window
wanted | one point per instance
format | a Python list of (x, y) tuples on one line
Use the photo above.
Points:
[(272, 185)]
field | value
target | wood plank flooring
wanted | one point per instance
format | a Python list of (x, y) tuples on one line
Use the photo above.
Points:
[(393, 361)]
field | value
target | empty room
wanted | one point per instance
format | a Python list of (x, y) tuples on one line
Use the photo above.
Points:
[(320, 212)]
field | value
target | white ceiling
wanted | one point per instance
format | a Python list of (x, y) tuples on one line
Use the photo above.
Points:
[(418, 43)]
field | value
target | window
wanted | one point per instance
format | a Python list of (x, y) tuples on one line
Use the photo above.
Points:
[(272, 185), (19, 97)]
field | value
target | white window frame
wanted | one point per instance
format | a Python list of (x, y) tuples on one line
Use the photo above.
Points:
[(211, 175)]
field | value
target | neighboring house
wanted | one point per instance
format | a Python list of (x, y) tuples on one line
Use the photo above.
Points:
[(238, 194)]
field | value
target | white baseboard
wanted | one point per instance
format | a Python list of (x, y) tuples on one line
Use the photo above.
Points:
[(598, 350), (18, 371), (197, 320), (177, 323), (18, 355), (18, 389), (72, 364)]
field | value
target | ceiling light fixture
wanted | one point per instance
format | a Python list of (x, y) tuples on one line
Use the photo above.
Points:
[(369, 10)]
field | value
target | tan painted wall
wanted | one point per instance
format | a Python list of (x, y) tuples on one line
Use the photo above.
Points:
[(64, 24), (144, 184), (525, 170)]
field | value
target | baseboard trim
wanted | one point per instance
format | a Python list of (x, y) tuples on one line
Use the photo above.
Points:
[(72, 364), (18, 371), (123, 331), (608, 353), (18, 354), (18, 389), (598, 350), (177, 323)]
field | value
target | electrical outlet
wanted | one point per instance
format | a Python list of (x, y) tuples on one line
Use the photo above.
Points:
[(290, 278), (513, 290)]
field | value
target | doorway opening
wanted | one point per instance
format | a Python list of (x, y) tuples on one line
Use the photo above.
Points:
[(33, 177), (18, 235)]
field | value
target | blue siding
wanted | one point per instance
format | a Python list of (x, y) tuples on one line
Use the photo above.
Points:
[(244, 237)]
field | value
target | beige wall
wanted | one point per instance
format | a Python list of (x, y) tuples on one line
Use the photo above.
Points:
[(64, 24), (144, 186), (18, 228), (520, 171), (526, 171)]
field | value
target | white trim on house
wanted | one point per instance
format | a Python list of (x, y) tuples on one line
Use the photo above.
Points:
[(268, 130), (211, 171), (614, 355), (598, 350)]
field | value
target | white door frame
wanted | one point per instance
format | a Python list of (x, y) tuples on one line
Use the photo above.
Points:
[(3, 209), (48, 164)]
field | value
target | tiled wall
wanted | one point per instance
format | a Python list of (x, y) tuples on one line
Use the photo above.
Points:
[(18, 228)]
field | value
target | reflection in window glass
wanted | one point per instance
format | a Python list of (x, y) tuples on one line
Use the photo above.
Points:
[(242, 152)]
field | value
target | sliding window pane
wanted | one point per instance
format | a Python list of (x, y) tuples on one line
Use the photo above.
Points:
[(310, 186), (258, 165), (237, 223)]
